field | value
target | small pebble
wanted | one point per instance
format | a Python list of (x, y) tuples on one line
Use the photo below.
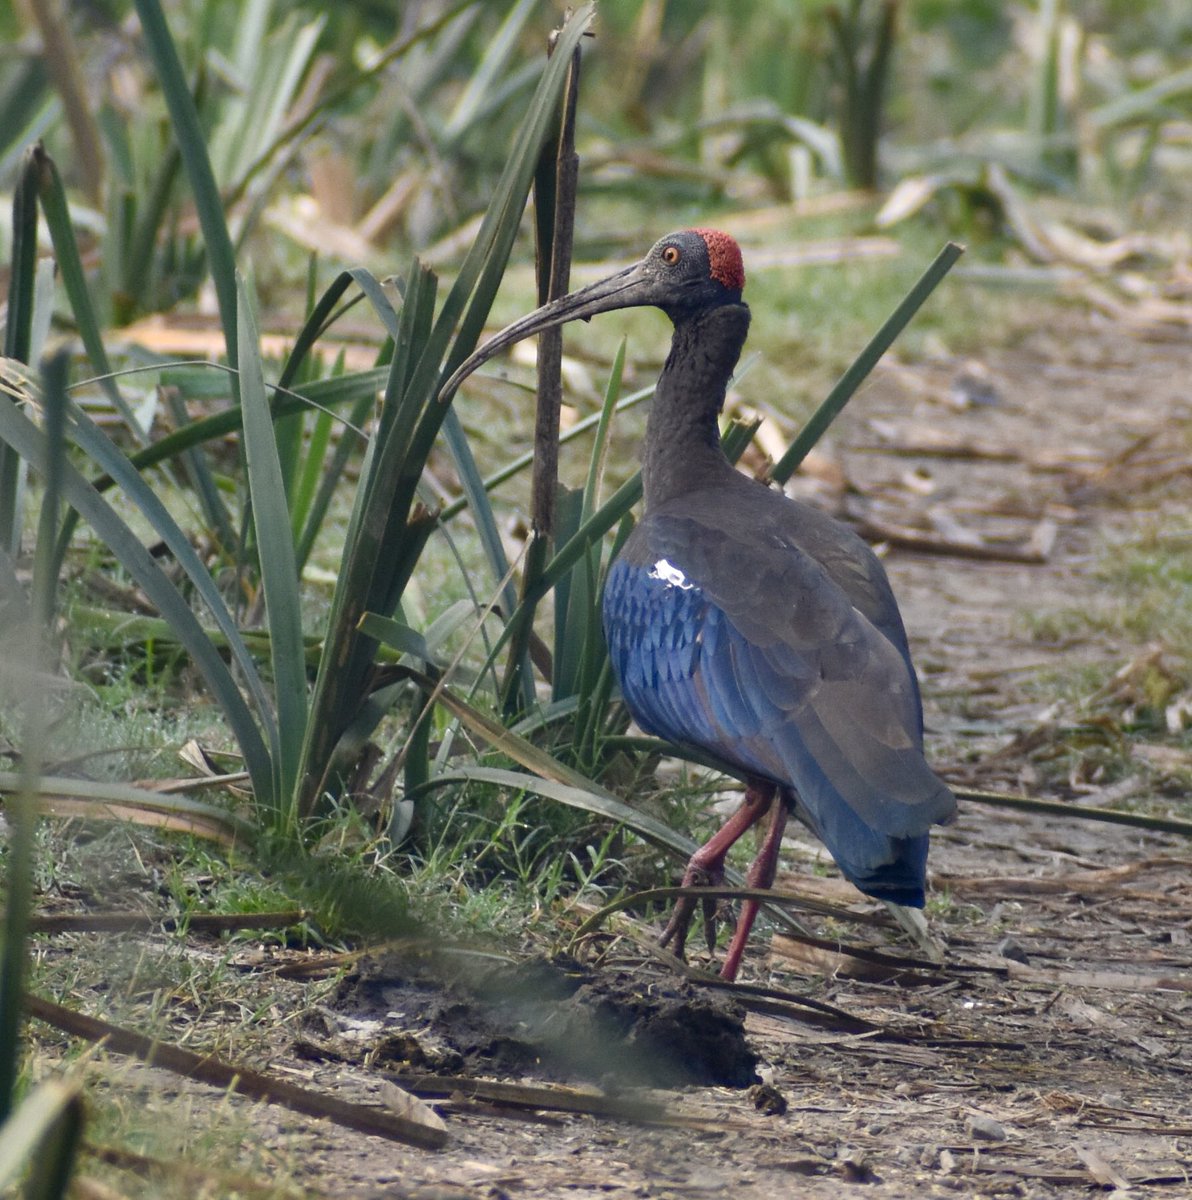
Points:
[(984, 1128), (1009, 948), (972, 386), (855, 1170), (767, 1099)]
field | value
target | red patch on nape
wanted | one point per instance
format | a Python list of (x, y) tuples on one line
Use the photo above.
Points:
[(724, 258)]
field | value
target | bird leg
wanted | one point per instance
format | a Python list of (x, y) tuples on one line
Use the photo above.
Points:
[(706, 865), (761, 875)]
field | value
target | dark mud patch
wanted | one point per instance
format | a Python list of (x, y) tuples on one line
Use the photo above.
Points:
[(547, 1019)]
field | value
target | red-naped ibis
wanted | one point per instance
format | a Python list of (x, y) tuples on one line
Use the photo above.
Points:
[(749, 625)]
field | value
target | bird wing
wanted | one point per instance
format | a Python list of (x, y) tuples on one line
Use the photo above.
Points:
[(727, 635)]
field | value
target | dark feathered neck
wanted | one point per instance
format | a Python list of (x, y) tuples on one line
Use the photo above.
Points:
[(682, 450)]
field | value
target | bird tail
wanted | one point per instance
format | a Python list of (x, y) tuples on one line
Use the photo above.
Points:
[(882, 866)]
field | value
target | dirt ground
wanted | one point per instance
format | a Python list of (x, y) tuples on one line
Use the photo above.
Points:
[(1050, 1055)]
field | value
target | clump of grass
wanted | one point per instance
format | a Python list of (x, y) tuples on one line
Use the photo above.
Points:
[(1152, 576), (1098, 713), (1146, 598)]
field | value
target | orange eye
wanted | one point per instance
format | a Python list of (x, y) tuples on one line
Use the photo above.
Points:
[(671, 255)]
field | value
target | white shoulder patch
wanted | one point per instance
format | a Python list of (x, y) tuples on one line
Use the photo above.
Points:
[(670, 575)]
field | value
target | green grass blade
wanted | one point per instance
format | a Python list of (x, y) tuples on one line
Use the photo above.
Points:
[(141, 263), (579, 642), (482, 510), (31, 707), (279, 568), (215, 512), (577, 545), (319, 318), (848, 383), (572, 604), (310, 467), (43, 1135), (18, 328), (289, 439), (18, 333), (74, 281), (19, 883), (332, 478), (398, 415), (192, 144), (45, 569), (127, 799), (396, 635), (1144, 105), (368, 283), (416, 768), (599, 457), (592, 530)]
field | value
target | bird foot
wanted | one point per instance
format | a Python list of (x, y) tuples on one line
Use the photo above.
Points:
[(678, 926)]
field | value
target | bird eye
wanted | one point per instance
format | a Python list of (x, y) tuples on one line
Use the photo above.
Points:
[(671, 255)]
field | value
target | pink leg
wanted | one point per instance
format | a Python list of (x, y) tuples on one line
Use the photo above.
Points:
[(706, 865), (761, 875)]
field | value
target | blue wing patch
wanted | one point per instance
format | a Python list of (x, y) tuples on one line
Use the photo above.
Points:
[(654, 626), (689, 675)]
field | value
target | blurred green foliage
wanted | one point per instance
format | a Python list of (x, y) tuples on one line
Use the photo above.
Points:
[(395, 122)]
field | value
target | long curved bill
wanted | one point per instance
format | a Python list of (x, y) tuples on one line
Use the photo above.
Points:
[(629, 288)]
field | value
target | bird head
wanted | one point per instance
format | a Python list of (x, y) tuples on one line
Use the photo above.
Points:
[(683, 274)]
